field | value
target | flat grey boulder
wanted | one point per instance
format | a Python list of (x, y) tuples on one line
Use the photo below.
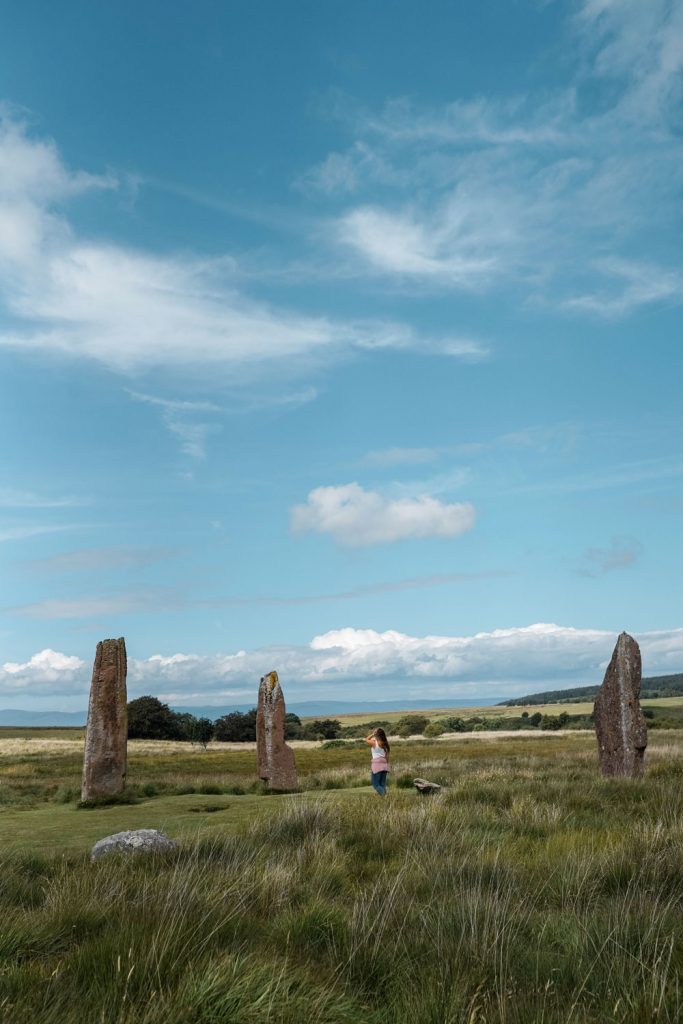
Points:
[(426, 788), (141, 840)]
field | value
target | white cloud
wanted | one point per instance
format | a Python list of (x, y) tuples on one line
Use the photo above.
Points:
[(628, 285), (176, 416), (503, 662), (398, 243), (356, 517), (551, 193), (46, 672), (132, 310)]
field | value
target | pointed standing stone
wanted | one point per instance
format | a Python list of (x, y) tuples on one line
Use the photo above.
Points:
[(276, 764), (106, 739), (619, 720)]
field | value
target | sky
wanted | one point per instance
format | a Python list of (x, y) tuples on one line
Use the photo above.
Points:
[(339, 338)]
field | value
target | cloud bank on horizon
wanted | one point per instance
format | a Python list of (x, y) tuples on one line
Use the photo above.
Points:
[(505, 662)]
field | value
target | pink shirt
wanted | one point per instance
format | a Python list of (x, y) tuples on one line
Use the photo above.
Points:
[(379, 758)]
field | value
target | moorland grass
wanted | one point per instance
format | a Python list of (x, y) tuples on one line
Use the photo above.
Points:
[(33, 772), (530, 890)]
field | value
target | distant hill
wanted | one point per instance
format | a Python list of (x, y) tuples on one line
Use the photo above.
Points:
[(304, 709), (652, 687)]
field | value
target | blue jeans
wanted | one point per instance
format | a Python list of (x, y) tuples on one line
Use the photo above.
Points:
[(379, 781)]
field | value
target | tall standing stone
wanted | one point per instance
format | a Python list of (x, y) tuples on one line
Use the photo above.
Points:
[(276, 764), (106, 738), (619, 720)]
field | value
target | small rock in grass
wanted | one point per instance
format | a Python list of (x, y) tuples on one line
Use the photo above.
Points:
[(142, 840), (424, 787)]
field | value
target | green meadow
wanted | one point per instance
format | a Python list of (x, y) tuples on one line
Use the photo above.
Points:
[(530, 890)]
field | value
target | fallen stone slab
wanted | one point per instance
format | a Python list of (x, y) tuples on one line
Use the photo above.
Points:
[(425, 787), (141, 840)]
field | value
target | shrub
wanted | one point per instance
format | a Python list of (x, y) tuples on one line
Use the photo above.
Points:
[(415, 723), (453, 724), (322, 729), (433, 729)]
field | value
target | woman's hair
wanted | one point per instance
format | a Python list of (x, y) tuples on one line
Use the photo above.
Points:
[(381, 738)]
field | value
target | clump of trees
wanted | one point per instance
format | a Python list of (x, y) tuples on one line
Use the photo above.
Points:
[(151, 719)]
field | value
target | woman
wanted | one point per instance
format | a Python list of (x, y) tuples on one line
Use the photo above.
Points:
[(379, 765)]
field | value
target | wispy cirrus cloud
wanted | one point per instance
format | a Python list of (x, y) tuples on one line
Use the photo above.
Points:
[(561, 437), (97, 559), (554, 194), (165, 599), (177, 416), (113, 604), (626, 285), (135, 311), (10, 533), (401, 457), (12, 497)]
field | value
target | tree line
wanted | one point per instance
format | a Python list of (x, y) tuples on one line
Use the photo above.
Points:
[(151, 719)]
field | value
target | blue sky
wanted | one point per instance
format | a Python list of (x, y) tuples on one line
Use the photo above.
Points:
[(339, 338)]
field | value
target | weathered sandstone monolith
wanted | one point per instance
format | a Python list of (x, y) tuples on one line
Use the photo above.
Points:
[(276, 764), (619, 720), (106, 737)]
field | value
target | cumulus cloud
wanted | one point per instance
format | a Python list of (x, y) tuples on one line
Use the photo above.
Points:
[(356, 517), (48, 672), (500, 662)]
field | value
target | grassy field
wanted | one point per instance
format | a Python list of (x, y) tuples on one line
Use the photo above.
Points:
[(531, 890), (581, 708)]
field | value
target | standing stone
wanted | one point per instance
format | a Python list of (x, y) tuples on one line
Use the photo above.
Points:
[(276, 764), (106, 737), (619, 720)]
